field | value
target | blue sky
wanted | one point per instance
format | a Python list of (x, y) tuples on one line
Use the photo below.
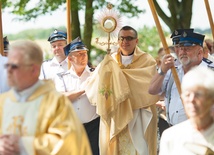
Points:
[(58, 18)]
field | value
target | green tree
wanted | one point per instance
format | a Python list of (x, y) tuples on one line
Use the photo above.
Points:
[(149, 40), (180, 13), (47, 6)]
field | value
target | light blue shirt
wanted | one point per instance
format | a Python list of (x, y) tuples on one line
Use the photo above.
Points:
[(174, 108), (3, 77)]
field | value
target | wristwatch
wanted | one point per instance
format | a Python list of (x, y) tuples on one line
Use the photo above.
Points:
[(160, 72)]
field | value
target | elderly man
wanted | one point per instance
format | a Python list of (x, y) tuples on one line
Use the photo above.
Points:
[(175, 41), (190, 54), (195, 135), (35, 119), (73, 85)]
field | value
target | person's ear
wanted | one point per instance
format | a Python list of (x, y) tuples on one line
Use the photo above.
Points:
[(200, 51), (137, 41), (69, 58)]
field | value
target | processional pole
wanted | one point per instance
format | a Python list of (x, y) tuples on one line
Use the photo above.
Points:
[(209, 16), (163, 40), (1, 34), (68, 13)]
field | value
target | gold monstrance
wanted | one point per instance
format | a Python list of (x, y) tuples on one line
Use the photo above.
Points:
[(109, 20)]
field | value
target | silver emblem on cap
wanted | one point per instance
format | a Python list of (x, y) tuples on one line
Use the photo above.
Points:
[(176, 32), (55, 31), (184, 34)]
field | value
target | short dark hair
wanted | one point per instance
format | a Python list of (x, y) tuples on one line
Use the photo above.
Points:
[(125, 28)]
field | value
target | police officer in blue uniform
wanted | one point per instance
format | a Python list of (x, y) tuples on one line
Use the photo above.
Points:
[(59, 63), (175, 41), (175, 36), (190, 54)]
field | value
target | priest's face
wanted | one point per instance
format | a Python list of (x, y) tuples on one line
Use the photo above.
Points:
[(127, 41)]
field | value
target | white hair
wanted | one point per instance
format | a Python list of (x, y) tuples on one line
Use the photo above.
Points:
[(199, 76)]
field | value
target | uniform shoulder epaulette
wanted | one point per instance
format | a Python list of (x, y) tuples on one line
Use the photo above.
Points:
[(92, 69), (207, 61), (210, 64), (61, 74), (211, 67)]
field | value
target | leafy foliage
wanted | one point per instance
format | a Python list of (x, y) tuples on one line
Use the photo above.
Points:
[(23, 9), (179, 17), (149, 40), (26, 12), (180, 13), (41, 7), (34, 34)]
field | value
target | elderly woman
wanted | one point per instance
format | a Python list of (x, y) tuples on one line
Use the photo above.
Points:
[(195, 135)]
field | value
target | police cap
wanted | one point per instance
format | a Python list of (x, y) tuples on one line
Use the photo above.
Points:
[(191, 39), (177, 33), (57, 35), (74, 46), (6, 43)]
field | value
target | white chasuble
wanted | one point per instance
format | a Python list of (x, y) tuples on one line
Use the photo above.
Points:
[(22, 121)]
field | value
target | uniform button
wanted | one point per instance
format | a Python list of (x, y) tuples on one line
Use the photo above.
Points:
[(176, 111)]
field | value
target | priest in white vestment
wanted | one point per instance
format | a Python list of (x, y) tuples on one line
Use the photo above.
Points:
[(34, 118)]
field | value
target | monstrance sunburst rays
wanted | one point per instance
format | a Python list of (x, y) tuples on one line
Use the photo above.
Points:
[(110, 22)]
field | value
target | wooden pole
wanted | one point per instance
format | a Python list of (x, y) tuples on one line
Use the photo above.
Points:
[(163, 40), (68, 12), (1, 34), (209, 16)]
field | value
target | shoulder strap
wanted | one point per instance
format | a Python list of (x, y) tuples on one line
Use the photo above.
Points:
[(43, 72), (61, 76), (207, 61), (168, 93)]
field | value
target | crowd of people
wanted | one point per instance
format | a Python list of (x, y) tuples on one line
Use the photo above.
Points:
[(124, 106)]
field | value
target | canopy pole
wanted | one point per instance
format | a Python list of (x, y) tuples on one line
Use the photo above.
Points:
[(209, 16), (163, 40), (1, 34), (68, 13)]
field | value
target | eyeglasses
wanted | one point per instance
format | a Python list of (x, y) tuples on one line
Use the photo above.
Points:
[(15, 66), (128, 38)]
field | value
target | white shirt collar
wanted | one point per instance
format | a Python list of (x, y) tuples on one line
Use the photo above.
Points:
[(25, 94)]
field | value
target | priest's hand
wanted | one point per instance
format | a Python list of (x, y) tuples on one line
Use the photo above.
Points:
[(9, 144)]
